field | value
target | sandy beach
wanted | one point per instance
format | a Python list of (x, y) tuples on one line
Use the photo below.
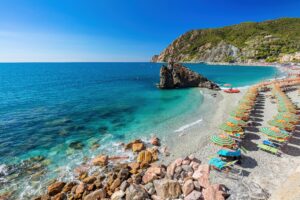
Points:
[(264, 170)]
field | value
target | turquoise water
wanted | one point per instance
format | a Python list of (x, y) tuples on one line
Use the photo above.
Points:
[(54, 115)]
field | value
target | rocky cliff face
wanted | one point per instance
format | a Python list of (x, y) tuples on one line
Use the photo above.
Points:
[(177, 76), (269, 41)]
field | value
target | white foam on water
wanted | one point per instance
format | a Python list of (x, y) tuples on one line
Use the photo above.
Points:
[(3, 169), (184, 127)]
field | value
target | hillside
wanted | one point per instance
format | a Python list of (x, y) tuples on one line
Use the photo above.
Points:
[(269, 41)]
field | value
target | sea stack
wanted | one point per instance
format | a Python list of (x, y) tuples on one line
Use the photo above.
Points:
[(175, 75)]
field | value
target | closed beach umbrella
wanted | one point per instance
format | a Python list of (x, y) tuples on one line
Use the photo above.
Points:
[(230, 127), (223, 140)]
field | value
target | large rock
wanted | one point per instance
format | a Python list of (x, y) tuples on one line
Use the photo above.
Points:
[(194, 195), (177, 76), (98, 194), (55, 188), (144, 157), (152, 173), (188, 187), (118, 195), (166, 188), (202, 170), (213, 192), (101, 160), (136, 192)]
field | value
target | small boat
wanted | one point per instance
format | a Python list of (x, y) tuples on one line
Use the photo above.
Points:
[(231, 90)]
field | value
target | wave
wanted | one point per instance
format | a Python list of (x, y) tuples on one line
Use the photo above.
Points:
[(184, 127)]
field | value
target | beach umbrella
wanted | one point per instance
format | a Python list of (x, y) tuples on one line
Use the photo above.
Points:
[(245, 106), (241, 110), (274, 132), (288, 115), (238, 122), (242, 115), (223, 140), (282, 124), (230, 127), (288, 120)]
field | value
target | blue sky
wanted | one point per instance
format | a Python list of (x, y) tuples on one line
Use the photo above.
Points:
[(111, 30)]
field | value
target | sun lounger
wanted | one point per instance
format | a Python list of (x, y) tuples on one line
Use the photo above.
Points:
[(268, 149), (271, 144), (219, 164)]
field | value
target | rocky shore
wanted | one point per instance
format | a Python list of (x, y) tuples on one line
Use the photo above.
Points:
[(144, 178)]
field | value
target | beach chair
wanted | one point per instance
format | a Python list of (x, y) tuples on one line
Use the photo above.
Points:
[(220, 165), (271, 144), (268, 149), (230, 155)]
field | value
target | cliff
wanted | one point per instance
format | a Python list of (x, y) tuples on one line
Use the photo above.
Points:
[(268, 41), (177, 76)]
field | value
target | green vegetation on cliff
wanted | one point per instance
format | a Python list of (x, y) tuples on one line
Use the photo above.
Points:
[(245, 42)]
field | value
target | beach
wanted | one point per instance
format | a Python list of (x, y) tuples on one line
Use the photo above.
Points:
[(258, 167)]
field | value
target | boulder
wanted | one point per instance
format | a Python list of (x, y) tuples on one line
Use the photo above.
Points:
[(89, 179), (137, 147), (116, 183), (166, 188), (56, 188), (98, 194), (144, 157), (124, 185), (155, 141), (213, 192), (118, 195), (201, 170), (171, 168), (149, 187), (152, 173), (204, 181), (129, 145), (101, 160), (134, 166), (194, 195), (136, 192), (68, 187), (187, 187), (80, 189), (60, 196)]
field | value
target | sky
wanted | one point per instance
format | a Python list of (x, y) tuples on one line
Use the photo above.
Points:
[(120, 31)]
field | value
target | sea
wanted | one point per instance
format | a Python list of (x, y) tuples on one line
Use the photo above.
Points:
[(56, 116)]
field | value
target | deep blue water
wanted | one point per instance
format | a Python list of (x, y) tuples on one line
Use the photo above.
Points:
[(61, 110)]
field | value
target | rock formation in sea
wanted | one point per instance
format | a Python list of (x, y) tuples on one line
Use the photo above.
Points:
[(175, 75)]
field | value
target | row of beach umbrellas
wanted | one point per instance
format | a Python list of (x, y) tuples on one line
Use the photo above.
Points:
[(232, 128), (284, 122)]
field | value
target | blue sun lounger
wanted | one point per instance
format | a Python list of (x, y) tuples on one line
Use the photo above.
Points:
[(229, 153), (220, 164), (270, 143), (217, 163)]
